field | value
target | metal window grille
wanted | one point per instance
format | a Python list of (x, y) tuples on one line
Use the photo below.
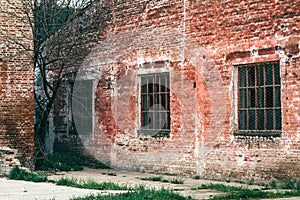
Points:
[(82, 105), (259, 93), (155, 102)]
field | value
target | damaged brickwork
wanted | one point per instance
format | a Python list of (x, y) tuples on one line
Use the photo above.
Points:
[(202, 46), (16, 91)]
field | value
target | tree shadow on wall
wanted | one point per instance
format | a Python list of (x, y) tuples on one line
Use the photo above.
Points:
[(72, 150)]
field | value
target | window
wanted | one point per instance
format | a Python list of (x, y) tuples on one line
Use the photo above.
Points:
[(259, 104), (155, 104), (82, 107)]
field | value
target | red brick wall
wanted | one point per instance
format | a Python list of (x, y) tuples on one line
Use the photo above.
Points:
[(230, 30), (200, 41), (16, 91)]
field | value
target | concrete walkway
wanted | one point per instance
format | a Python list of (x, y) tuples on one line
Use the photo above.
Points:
[(22, 190)]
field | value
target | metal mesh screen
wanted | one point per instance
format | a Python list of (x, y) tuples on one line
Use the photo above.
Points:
[(82, 105)]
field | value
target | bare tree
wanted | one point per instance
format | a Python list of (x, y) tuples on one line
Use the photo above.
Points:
[(61, 36)]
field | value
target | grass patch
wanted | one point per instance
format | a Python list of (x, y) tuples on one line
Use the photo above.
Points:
[(245, 193), (255, 194), (219, 187), (139, 193), (197, 177), (152, 178), (272, 184), (20, 174), (90, 184), (161, 179), (176, 180), (71, 182), (289, 185)]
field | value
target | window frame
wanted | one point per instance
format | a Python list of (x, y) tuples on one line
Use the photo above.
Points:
[(256, 100), (154, 132)]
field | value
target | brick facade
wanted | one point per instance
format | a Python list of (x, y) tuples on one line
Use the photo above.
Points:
[(200, 44), (16, 91)]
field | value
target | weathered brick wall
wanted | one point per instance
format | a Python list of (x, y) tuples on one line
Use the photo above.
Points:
[(16, 91), (231, 30), (199, 43)]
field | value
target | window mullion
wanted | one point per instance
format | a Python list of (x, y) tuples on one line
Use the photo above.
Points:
[(153, 101), (148, 102), (265, 96), (274, 97), (247, 99), (256, 98), (167, 100)]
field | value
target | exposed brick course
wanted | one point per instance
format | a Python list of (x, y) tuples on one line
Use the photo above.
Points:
[(16, 91)]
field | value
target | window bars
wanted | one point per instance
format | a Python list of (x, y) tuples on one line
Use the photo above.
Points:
[(155, 102), (259, 94)]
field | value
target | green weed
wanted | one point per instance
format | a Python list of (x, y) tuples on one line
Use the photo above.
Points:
[(244, 193), (20, 174), (290, 185), (164, 180), (139, 193), (176, 181), (71, 182), (152, 178), (90, 184)]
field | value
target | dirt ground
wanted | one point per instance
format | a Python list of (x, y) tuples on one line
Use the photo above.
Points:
[(21, 190)]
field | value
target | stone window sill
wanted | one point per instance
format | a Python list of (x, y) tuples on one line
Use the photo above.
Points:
[(262, 133)]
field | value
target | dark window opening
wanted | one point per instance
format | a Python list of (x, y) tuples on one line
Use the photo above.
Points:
[(259, 94), (155, 104)]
